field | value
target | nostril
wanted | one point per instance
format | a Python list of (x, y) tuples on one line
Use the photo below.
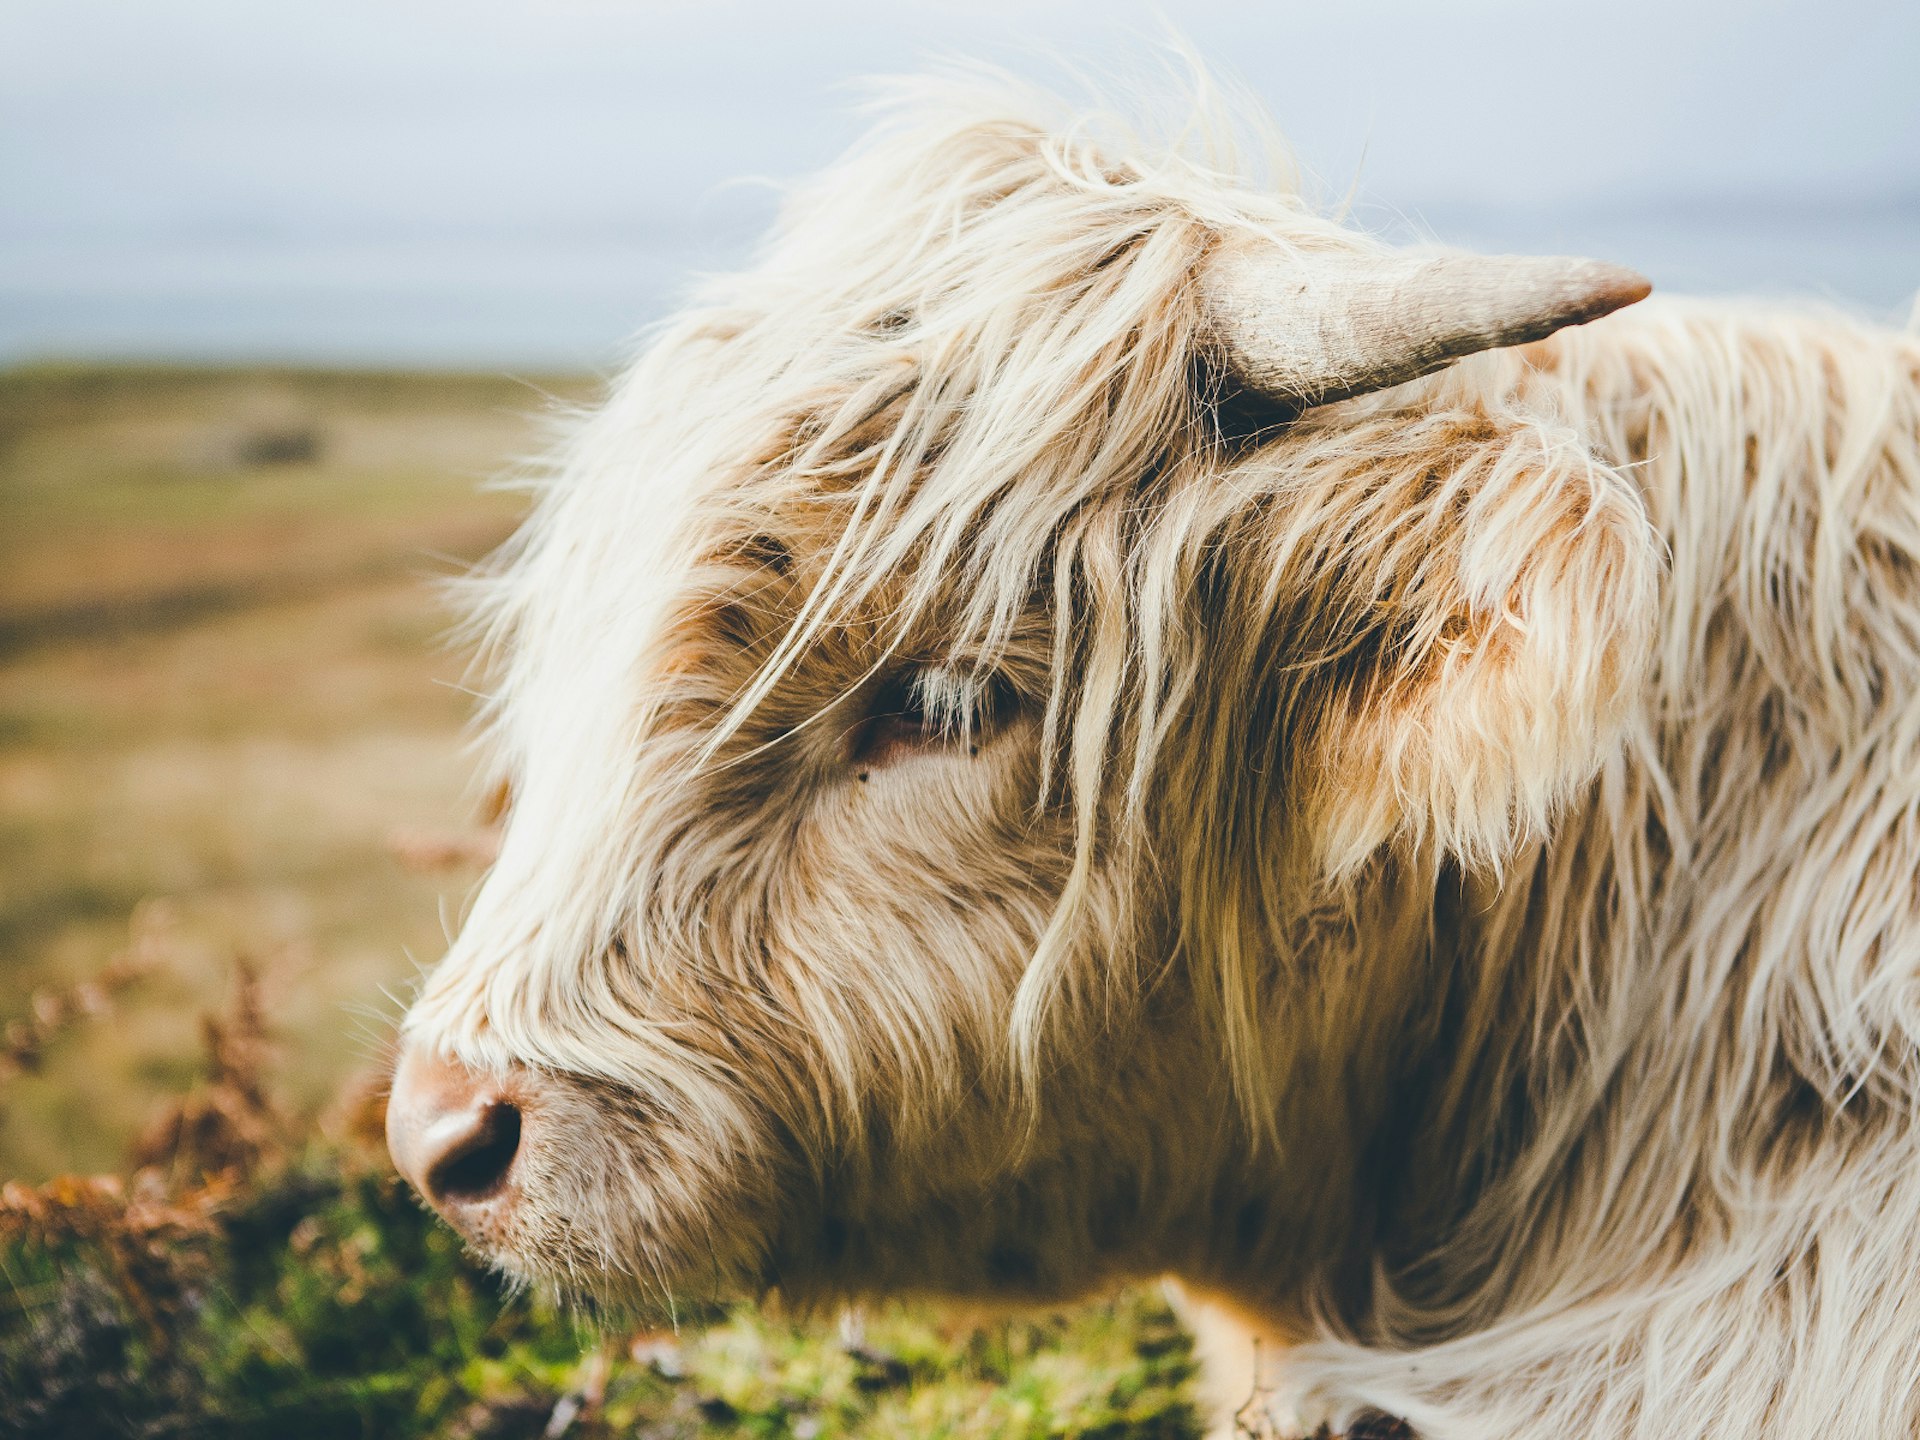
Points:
[(456, 1132), (476, 1165)]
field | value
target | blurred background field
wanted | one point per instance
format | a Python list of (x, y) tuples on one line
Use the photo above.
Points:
[(225, 689)]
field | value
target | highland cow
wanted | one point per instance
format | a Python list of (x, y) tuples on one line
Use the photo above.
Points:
[(1082, 721)]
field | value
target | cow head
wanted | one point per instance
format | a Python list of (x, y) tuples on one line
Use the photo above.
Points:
[(958, 692)]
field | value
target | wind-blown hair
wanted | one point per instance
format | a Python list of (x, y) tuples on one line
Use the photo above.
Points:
[(1006, 400), (1001, 805)]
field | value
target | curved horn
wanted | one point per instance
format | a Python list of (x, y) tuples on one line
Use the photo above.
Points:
[(1314, 328)]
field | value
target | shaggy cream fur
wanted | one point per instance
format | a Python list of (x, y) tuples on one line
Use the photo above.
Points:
[(998, 810)]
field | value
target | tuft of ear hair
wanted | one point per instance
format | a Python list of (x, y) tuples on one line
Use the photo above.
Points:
[(1511, 623)]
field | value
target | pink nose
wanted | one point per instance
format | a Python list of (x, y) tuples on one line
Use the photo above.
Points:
[(454, 1134)]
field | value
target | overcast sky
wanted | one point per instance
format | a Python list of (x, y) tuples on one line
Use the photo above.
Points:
[(526, 182)]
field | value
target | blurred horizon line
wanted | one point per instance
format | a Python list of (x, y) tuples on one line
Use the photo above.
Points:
[(573, 298)]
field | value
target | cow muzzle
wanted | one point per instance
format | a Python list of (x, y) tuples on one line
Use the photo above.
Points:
[(455, 1135)]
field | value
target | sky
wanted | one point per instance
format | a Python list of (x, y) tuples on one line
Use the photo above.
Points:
[(526, 184)]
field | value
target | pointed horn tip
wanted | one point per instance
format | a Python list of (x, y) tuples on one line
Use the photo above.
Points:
[(1608, 288)]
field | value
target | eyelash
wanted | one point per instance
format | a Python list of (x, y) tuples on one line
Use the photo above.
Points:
[(926, 709)]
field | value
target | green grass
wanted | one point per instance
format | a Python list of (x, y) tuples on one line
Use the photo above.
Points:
[(327, 1304), (239, 1283), (339, 1339)]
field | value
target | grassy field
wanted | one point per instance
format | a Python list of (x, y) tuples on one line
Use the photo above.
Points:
[(225, 709), (222, 686)]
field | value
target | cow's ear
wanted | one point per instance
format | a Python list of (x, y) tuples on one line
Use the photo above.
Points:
[(1485, 590), (1499, 588)]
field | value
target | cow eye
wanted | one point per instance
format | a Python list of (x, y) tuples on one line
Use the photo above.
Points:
[(936, 708)]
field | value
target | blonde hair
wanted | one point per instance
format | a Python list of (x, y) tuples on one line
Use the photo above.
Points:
[(1519, 770)]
